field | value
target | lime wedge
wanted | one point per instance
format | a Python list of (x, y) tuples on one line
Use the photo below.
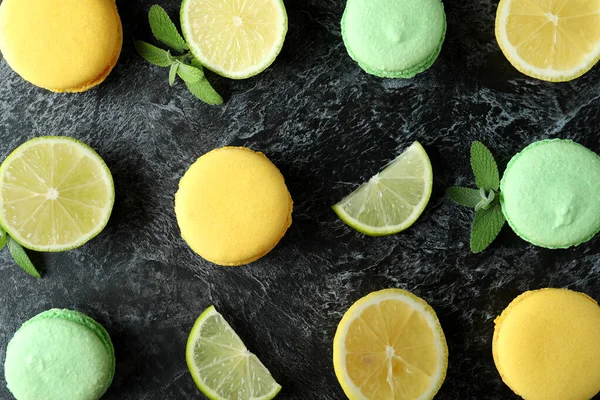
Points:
[(234, 38), (56, 194), (392, 200), (222, 366)]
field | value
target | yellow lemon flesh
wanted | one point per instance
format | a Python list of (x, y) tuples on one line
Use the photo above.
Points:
[(234, 38), (61, 45), (390, 345), (547, 345), (552, 40)]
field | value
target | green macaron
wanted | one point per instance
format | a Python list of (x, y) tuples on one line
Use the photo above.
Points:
[(550, 194), (394, 38), (59, 355)]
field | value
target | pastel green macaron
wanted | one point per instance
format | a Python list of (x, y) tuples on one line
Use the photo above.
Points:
[(394, 38), (59, 355), (550, 193)]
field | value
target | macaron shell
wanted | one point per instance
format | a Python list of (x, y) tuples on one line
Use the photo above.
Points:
[(59, 355), (61, 45), (550, 193), (88, 322), (546, 345), (394, 38), (233, 206)]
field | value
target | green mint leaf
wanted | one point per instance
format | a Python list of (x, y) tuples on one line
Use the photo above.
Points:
[(153, 54), (486, 199), (190, 74), (487, 224), (464, 196), (197, 64), (484, 167), (21, 258), (205, 92), (164, 30), (173, 73), (3, 238)]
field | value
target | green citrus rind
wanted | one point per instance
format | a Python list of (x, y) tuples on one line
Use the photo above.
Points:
[(391, 230), (85, 238), (216, 69), (189, 356)]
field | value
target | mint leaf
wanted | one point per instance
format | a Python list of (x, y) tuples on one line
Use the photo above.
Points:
[(484, 167), (164, 30), (205, 92), (3, 238), (190, 74), (487, 224), (197, 64), (21, 258), (173, 73), (464, 196), (153, 54), (486, 199)]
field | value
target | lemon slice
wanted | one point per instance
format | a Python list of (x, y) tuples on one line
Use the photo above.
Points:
[(556, 40), (234, 38), (222, 366), (390, 345), (56, 194), (392, 200)]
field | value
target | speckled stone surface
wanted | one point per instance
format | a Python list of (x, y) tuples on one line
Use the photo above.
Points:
[(328, 126)]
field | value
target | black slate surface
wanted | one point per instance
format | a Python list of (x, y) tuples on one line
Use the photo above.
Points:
[(328, 126)]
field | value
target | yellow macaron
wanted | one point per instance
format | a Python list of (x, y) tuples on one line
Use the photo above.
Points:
[(546, 345), (61, 45), (233, 206)]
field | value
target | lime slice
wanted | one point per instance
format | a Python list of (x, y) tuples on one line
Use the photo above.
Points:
[(56, 194), (222, 366), (234, 38), (392, 200)]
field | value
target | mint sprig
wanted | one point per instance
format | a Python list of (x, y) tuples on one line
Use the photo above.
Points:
[(485, 200), (164, 30), (18, 254), (184, 66)]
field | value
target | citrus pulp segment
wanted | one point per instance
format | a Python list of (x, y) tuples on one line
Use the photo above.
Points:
[(390, 345), (56, 194), (222, 366), (234, 38), (550, 40), (392, 200)]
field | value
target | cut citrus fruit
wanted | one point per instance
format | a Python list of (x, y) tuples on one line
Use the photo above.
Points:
[(390, 345), (56, 194), (556, 40), (392, 200), (222, 366), (234, 38)]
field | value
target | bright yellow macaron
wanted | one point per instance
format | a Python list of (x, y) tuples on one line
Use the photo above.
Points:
[(546, 345), (61, 45), (233, 206)]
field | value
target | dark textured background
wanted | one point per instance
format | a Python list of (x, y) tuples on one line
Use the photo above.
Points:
[(328, 126)]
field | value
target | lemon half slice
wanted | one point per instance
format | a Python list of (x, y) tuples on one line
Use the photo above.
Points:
[(390, 345), (552, 40)]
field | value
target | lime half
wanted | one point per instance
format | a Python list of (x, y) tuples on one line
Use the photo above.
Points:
[(56, 194), (222, 366), (234, 38), (392, 200)]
